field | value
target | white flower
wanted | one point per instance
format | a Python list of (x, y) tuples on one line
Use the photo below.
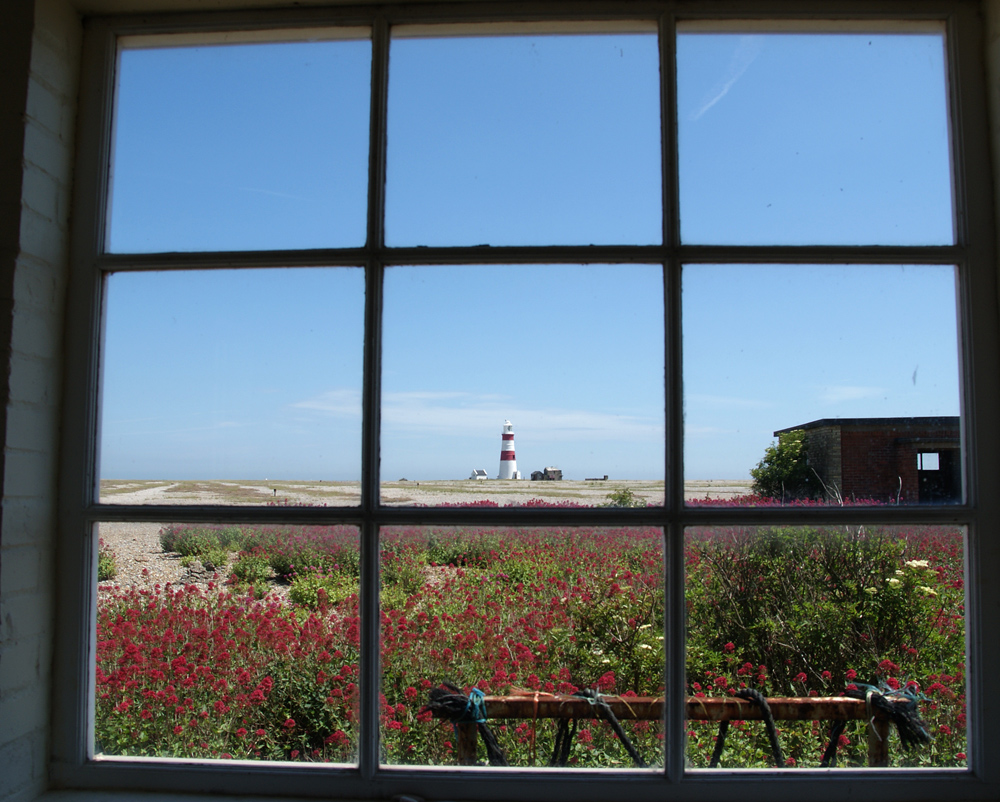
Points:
[(893, 581), (928, 591), (900, 572), (917, 564)]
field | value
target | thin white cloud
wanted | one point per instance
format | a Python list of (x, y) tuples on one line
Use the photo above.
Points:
[(746, 52), (840, 393), (466, 413), (334, 402), (449, 413)]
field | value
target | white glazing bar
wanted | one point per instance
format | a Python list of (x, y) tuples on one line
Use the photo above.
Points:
[(974, 253)]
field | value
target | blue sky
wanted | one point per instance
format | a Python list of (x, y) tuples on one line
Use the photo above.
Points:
[(835, 139)]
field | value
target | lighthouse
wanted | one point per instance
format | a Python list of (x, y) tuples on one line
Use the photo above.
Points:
[(508, 465)]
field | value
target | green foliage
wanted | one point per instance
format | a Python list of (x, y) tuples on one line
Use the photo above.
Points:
[(787, 610), (107, 565), (478, 549), (624, 497), (797, 611), (198, 540), (784, 471), (214, 559), (251, 568), (317, 589), (402, 570), (805, 600), (297, 697), (295, 558), (619, 632)]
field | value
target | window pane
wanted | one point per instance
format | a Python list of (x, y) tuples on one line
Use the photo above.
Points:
[(515, 613), (227, 642), (828, 380), (524, 140), (241, 147), (813, 139), (220, 384), (569, 357), (826, 612)]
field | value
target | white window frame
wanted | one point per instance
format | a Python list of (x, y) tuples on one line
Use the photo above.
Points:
[(74, 764)]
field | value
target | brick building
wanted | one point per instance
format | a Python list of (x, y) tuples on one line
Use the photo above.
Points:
[(917, 460)]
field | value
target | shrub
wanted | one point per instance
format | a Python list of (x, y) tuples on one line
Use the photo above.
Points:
[(198, 540), (214, 559), (188, 540), (107, 563), (463, 548), (624, 497), (251, 569), (293, 550), (806, 600), (784, 471), (318, 588)]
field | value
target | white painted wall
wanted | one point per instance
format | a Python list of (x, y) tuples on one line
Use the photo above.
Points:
[(33, 277)]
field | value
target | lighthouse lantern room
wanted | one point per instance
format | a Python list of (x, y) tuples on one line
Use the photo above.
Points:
[(508, 464)]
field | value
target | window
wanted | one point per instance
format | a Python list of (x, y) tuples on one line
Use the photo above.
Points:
[(928, 461), (376, 197)]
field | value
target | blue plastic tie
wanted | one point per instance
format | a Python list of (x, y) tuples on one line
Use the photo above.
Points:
[(475, 707)]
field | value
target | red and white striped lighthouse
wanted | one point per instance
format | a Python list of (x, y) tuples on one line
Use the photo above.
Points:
[(508, 465)]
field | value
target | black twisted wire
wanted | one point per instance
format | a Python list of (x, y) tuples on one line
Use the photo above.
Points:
[(452, 705), (757, 697), (604, 709)]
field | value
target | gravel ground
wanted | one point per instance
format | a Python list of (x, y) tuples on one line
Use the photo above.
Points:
[(140, 560)]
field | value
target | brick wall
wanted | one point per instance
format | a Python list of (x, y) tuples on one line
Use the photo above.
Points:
[(869, 465), (32, 286), (823, 446), (881, 462)]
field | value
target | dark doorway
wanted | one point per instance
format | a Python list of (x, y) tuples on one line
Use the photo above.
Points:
[(939, 476)]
